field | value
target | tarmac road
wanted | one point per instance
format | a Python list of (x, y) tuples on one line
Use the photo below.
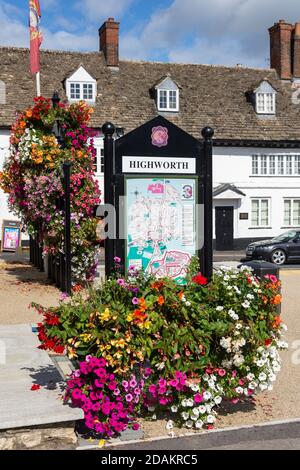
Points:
[(282, 436)]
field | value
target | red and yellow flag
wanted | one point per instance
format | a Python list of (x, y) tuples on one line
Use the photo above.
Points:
[(35, 35)]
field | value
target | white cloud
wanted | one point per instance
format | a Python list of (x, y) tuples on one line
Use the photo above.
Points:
[(13, 32), (221, 31)]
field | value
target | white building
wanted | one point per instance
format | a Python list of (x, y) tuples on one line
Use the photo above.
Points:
[(255, 114)]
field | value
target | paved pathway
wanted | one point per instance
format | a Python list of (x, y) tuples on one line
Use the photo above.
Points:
[(22, 364)]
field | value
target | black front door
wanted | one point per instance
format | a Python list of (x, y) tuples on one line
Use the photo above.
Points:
[(224, 228)]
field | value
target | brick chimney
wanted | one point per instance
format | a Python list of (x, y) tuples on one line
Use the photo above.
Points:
[(281, 48), (296, 52), (109, 42)]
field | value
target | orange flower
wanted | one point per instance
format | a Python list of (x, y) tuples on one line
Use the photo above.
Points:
[(277, 321), (157, 285), (160, 300), (276, 300), (142, 303), (29, 113), (180, 295), (139, 315)]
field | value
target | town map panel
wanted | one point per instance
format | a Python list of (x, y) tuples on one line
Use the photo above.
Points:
[(161, 225)]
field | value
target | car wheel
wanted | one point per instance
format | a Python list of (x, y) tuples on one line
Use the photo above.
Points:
[(278, 257)]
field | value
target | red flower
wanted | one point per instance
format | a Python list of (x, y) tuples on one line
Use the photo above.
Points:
[(35, 387), (77, 288), (199, 279), (268, 342)]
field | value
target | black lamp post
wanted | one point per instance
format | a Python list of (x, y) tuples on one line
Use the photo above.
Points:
[(57, 130), (207, 257)]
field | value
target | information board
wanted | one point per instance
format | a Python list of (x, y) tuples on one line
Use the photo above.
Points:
[(161, 224), (11, 235)]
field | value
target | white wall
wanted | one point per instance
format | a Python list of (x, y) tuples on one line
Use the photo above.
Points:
[(234, 165), (4, 149)]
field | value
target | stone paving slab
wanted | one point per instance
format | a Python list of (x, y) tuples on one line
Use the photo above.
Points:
[(23, 365)]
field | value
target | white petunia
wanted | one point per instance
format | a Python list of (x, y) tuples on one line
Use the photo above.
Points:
[(263, 386), (185, 415), (217, 400), (262, 377), (252, 385), (206, 395), (189, 424), (194, 387), (239, 390), (250, 296), (210, 419), (174, 409), (246, 304), (188, 304), (219, 308), (238, 360), (199, 424), (190, 402), (169, 425), (184, 403), (202, 409)]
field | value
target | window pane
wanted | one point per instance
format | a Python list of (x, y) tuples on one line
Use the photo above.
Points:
[(75, 91), (269, 103), (263, 165), (163, 99), (272, 165), (255, 212), (255, 165), (264, 212), (281, 165), (297, 164), (172, 99), (88, 91), (260, 102), (287, 212), (289, 165), (296, 212)]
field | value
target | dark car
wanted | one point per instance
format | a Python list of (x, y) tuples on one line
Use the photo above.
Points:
[(278, 250)]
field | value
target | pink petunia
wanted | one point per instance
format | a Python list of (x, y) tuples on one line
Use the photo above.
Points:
[(198, 398)]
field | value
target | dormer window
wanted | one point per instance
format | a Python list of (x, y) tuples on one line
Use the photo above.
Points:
[(167, 95), (81, 86), (265, 99)]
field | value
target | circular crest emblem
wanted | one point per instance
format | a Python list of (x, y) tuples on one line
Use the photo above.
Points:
[(160, 136)]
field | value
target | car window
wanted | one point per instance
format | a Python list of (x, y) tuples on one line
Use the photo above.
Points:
[(286, 236)]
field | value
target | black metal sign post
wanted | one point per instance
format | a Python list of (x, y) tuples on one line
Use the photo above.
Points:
[(67, 247), (160, 151), (207, 252), (108, 130)]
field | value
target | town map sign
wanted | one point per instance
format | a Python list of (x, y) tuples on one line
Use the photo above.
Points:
[(159, 172)]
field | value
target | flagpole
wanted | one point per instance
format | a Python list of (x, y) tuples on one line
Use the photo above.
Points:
[(38, 84)]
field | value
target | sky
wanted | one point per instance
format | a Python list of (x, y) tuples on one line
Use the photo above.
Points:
[(222, 32)]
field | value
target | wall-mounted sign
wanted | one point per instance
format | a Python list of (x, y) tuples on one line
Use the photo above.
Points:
[(158, 165), (161, 225), (11, 235), (244, 216)]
